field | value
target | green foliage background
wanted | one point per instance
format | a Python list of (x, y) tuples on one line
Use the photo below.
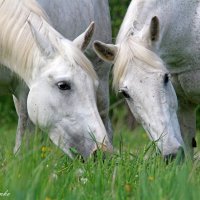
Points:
[(117, 10)]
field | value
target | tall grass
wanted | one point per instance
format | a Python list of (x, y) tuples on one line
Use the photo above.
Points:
[(134, 171)]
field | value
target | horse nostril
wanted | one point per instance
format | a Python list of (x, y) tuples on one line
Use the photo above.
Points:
[(179, 156)]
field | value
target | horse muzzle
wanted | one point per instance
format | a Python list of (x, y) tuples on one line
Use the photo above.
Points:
[(179, 156)]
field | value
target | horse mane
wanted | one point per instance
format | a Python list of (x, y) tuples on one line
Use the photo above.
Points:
[(130, 48), (129, 51), (18, 49)]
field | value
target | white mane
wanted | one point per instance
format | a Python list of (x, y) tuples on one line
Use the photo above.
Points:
[(18, 49), (130, 47), (130, 50)]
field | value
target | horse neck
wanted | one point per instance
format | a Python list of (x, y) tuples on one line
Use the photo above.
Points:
[(172, 16), (18, 49), (139, 14)]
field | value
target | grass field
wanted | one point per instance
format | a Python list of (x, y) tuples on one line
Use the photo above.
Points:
[(135, 171), (42, 172)]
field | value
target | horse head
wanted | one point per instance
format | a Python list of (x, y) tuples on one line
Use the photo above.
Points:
[(62, 97), (141, 76)]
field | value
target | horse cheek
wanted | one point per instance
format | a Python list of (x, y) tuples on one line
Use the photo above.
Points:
[(38, 109)]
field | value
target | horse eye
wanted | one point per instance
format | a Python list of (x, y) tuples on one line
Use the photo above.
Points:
[(63, 85), (125, 94), (166, 78)]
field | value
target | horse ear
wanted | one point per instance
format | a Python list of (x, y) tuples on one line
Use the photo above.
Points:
[(154, 29), (106, 52), (45, 46), (83, 40)]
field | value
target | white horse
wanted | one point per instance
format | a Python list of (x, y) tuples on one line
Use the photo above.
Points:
[(158, 43), (77, 15), (64, 14), (54, 69)]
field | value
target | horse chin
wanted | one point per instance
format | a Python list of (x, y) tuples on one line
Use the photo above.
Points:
[(169, 146), (73, 146)]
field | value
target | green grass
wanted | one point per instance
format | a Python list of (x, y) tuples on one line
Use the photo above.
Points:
[(42, 172)]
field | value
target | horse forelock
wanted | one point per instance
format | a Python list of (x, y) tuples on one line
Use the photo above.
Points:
[(129, 51), (84, 63), (69, 52), (19, 50), (75, 56)]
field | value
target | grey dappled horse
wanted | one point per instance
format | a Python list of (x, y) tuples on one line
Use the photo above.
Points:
[(158, 44), (60, 82)]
